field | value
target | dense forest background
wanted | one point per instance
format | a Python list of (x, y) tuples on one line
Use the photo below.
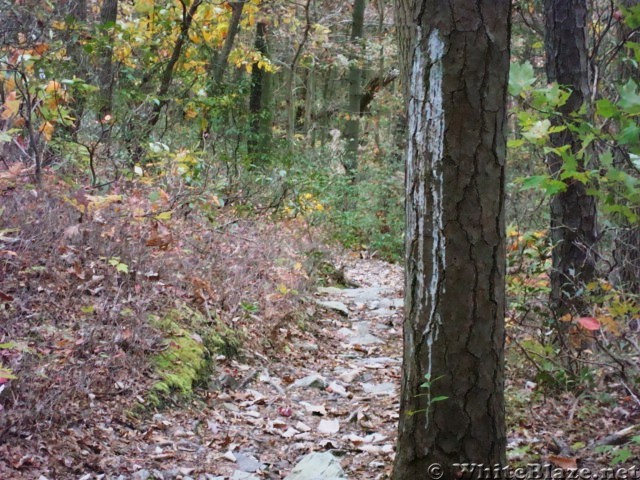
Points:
[(176, 177)]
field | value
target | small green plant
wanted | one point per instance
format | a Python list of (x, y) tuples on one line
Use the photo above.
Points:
[(6, 373), (620, 453), (427, 384), (118, 265), (249, 307)]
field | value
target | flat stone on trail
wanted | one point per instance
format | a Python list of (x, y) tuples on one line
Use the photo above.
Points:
[(361, 335), (239, 475), (385, 388), (333, 305), (311, 381), (247, 463), (378, 361), (358, 295), (317, 466)]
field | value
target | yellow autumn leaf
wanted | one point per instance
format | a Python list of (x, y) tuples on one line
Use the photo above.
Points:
[(47, 130), (11, 106), (53, 86), (97, 202), (144, 6), (9, 84)]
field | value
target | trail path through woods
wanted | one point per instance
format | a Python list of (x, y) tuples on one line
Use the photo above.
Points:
[(335, 390)]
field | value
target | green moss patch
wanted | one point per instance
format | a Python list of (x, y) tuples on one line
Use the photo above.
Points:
[(191, 340)]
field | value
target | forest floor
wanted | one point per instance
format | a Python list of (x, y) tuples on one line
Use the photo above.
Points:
[(318, 368)]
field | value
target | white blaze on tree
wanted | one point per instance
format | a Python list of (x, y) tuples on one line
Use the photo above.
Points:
[(426, 137)]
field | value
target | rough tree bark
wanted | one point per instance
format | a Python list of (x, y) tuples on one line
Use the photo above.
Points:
[(456, 62), (573, 212)]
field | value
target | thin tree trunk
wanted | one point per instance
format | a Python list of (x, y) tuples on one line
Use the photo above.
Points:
[(352, 126), (220, 60), (108, 18), (167, 74), (573, 212), (291, 79), (452, 399), (75, 11), (259, 97)]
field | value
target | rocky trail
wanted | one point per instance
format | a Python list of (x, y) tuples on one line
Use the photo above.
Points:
[(325, 408)]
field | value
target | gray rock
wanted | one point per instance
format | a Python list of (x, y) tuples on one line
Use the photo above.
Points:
[(317, 466), (306, 346), (311, 381), (141, 475), (333, 305), (239, 475), (331, 290), (247, 463), (378, 361), (361, 335), (386, 388)]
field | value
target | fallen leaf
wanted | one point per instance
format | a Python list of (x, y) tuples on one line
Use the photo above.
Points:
[(564, 462), (589, 323)]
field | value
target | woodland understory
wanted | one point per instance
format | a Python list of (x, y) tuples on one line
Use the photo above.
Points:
[(202, 237)]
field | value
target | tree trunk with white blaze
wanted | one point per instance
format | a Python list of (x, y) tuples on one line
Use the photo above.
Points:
[(456, 62)]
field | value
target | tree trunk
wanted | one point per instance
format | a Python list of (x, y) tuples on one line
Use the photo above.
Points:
[(573, 212), (452, 399), (259, 98), (219, 62), (75, 13), (290, 98), (169, 69), (108, 18), (352, 126)]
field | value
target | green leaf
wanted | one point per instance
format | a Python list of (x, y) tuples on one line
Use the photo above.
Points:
[(621, 456), (521, 76), (630, 135), (606, 159), (629, 98), (605, 108), (122, 267), (534, 181), (515, 143), (439, 399), (555, 186)]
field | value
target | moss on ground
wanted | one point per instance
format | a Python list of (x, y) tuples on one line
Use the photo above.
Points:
[(192, 341)]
